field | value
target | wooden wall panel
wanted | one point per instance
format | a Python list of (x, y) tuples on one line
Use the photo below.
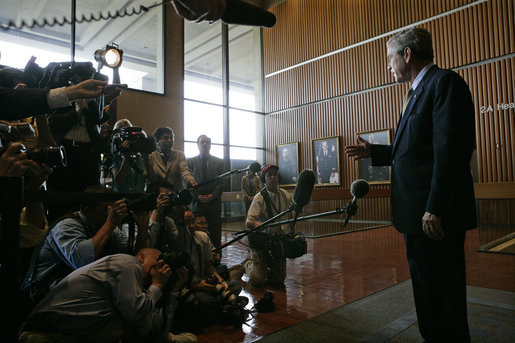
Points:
[(364, 67), (306, 29)]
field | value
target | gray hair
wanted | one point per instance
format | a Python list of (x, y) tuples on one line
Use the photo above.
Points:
[(417, 39)]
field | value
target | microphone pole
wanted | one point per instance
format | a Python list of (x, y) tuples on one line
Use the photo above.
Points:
[(312, 216), (255, 167)]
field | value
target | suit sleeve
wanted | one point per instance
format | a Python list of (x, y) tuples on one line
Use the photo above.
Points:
[(453, 140), (381, 154), (186, 174), (219, 188), (22, 103)]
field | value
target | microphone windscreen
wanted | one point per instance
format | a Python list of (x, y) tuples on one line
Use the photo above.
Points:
[(255, 167), (359, 188), (304, 188), (242, 13)]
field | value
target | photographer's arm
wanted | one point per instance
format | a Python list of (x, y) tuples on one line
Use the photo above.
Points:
[(151, 175), (120, 172), (116, 213), (142, 222)]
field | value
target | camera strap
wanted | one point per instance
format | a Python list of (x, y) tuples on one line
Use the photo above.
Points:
[(268, 203)]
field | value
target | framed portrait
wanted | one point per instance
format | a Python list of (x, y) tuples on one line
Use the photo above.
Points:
[(326, 161), (372, 174), (287, 157)]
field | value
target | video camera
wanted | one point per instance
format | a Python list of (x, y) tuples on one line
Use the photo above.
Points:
[(279, 246), (60, 74), (136, 138)]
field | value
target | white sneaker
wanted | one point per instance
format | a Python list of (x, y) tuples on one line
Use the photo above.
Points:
[(184, 337)]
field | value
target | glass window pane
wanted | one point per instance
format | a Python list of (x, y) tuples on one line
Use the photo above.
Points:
[(203, 62), (241, 158), (246, 128), (143, 62), (245, 67), (244, 156), (203, 119), (191, 150)]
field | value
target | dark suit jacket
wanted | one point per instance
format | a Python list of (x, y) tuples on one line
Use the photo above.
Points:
[(430, 155), (215, 167), (22, 103)]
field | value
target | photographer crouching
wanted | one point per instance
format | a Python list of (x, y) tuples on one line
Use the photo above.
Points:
[(117, 297), (209, 298)]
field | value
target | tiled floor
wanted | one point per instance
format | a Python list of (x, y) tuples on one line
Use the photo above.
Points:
[(341, 269)]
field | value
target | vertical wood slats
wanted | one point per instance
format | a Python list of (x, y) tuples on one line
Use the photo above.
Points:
[(306, 29), (458, 40)]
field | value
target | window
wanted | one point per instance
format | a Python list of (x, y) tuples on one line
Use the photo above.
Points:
[(230, 115), (140, 36)]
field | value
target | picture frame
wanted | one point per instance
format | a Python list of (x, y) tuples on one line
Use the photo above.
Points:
[(287, 157), (326, 161), (367, 172)]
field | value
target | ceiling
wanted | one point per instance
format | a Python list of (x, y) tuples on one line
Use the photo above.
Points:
[(138, 35)]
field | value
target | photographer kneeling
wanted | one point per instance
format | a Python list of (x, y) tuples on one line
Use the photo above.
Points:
[(261, 267), (110, 299)]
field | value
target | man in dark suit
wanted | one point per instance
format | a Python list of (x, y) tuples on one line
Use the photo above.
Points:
[(432, 190), (208, 197)]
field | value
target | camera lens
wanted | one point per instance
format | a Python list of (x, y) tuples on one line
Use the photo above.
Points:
[(54, 156)]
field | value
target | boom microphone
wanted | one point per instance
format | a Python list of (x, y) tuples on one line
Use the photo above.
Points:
[(303, 190), (242, 13)]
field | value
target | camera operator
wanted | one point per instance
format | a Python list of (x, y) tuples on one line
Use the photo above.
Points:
[(78, 131), (171, 232), (33, 223), (31, 131), (261, 267), (81, 238), (108, 300), (131, 168)]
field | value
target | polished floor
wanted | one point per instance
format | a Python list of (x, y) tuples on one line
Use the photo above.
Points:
[(340, 269)]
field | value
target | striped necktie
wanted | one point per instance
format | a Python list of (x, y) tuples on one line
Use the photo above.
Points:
[(406, 99)]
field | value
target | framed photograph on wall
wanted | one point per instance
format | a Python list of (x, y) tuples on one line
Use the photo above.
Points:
[(374, 175), (287, 157), (326, 161)]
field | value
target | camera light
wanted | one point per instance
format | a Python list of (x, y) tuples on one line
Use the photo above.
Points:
[(110, 57)]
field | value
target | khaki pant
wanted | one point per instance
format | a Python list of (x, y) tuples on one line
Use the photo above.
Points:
[(262, 268)]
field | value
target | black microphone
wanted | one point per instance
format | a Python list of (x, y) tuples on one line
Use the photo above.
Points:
[(242, 13), (359, 188), (303, 190), (254, 166)]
